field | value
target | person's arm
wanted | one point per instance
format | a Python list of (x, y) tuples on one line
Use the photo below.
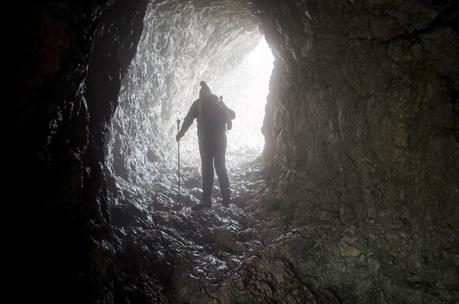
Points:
[(188, 121), (230, 115), (229, 125)]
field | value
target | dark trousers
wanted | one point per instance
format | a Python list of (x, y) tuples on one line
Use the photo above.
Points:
[(212, 148)]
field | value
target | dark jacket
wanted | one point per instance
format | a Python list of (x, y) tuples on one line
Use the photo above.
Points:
[(205, 125)]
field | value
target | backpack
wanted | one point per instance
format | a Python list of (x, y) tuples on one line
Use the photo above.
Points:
[(214, 110)]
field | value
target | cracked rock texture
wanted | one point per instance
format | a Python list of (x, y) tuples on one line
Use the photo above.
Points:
[(356, 199), (362, 135)]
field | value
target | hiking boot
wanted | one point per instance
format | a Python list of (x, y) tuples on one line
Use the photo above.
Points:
[(201, 206)]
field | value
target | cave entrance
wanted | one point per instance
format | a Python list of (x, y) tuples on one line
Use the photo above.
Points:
[(181, 44)]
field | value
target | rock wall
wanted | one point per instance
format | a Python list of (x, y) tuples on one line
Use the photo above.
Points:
[(60, 236), (362, 137)]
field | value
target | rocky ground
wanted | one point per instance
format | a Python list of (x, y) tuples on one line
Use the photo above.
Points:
[(218, 255), (252, 252)]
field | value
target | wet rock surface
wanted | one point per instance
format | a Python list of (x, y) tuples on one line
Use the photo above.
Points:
[(223, 255), (253, 252)]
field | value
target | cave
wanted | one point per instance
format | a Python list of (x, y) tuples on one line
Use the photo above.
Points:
[(344, 173)]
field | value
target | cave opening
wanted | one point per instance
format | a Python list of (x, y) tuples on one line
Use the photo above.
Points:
[(175, 52)]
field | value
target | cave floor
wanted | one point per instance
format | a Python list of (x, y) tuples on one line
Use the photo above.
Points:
[(217, 253), (251, 252)]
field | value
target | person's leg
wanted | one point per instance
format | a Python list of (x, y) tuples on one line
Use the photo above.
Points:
[(220, 167), (207, 168)]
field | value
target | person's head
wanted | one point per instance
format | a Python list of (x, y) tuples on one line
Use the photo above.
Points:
[(205, 90)]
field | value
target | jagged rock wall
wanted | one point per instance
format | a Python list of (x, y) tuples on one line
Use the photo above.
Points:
[(362, 136), (61, 248), (182, 43)]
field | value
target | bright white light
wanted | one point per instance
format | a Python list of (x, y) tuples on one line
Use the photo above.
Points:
[(245, 90)]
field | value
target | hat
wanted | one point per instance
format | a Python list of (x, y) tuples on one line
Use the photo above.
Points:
[(205, 90)]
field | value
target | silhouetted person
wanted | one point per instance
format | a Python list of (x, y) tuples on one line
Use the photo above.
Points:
[(214, 118)]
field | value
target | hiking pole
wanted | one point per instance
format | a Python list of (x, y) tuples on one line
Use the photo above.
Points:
[(178, 156)]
